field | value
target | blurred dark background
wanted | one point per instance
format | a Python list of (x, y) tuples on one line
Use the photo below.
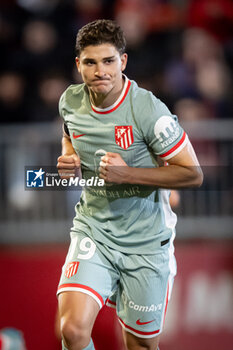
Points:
[(183, 52)]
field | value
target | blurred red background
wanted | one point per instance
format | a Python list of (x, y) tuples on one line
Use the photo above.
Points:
[(199, 315)]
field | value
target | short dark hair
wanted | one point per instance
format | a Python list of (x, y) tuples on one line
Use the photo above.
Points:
[(99, 32)]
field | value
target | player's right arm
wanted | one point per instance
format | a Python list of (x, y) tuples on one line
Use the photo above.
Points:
[(69, 162)]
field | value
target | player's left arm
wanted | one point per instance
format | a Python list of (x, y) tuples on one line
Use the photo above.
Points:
[(183, 171)]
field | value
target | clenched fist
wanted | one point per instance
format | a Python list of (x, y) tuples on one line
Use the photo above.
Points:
[(113, 168), (68, 166)]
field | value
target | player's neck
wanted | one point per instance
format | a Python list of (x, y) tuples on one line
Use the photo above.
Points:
[(107, 100)]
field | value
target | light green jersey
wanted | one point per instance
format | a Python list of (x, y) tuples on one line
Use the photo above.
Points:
[(130, 218)]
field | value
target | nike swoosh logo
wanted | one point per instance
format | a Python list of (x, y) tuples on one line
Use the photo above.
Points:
[(76, 136), (142, 323)]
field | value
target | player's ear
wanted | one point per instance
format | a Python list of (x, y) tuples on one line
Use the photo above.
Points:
[(124, 59), (77, 61)]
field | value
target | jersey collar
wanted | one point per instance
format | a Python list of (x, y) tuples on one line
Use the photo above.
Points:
[(118, 102)]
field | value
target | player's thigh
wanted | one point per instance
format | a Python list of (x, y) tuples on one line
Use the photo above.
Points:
[(144, 292), (135, 342), (77, 309)]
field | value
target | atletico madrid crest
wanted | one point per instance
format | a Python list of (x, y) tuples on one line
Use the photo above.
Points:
[(71, 269), (124, 136)]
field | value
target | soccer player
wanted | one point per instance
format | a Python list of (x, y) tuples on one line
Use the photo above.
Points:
[(121, 250)]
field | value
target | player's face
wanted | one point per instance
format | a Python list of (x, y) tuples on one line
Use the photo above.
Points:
[(101, 68)]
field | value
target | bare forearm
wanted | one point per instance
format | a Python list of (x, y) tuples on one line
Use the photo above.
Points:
[(183, 171), (67, 148), (172, 176)]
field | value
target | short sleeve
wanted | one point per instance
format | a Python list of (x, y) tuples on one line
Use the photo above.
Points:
[(162, 131), (61, 105)]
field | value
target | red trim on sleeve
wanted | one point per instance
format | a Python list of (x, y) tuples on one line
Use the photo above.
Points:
[(76, 285), (174, 147), (120, 102)]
